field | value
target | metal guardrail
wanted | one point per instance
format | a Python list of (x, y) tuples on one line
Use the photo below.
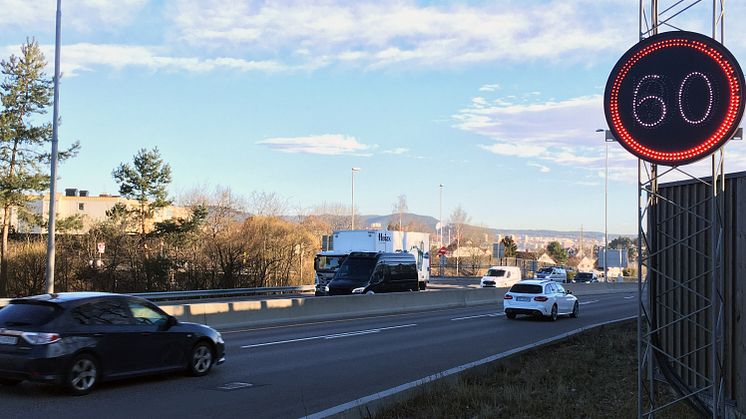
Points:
[(229, 292), (200, 294)]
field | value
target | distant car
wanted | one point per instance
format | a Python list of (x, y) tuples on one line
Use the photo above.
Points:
[(553, 273), (77, 340), (585, 277), (500, 276), (542, 298)]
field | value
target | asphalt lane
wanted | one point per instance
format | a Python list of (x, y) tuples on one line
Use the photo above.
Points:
[(296, 370)]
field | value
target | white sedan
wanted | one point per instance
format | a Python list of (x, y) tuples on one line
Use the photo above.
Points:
[(543, 298)]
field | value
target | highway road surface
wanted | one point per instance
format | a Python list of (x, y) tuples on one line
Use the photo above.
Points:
[(297, 370)]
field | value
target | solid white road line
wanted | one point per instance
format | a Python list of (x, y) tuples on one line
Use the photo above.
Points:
[(333, 336), (588, 302)]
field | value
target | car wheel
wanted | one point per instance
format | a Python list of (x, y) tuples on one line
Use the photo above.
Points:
[(82, 375), (511, 316), (575, 310), (201, 359), (369, 292), (553, 315), (9, 381)]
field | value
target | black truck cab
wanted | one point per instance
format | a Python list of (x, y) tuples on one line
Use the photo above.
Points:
[(375, 272)]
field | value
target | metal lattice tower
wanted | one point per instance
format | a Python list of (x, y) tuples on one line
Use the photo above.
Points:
[(680, 266)]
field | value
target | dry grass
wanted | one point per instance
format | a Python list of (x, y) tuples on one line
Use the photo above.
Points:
[(591, 375)]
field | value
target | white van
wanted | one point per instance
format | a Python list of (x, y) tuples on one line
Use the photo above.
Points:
[(501, 276), (554, 273)]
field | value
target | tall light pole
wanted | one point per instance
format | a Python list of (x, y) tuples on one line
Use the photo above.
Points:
[(440, 215), (608, 137), (49, 274), (354, 169)]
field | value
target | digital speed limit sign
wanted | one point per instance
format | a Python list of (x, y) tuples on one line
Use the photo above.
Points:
[(674, 98)]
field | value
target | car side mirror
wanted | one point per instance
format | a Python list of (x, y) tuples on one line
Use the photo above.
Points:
[(568, 292), (171, 321)]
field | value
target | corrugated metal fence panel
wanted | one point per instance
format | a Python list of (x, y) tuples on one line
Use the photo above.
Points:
[(737, 275), (682, 239)]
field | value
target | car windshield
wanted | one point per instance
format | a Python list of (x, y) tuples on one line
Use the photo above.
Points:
[(526, 289), (327, 263), (583, 275), (545, 270), (356, 269), (495, 272), (26, 314)]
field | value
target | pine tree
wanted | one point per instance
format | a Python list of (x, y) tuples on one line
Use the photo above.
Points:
[(25, 93), (510, 247), (146, 182)]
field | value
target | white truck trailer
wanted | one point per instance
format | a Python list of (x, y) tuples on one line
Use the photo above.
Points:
[(342, 242)]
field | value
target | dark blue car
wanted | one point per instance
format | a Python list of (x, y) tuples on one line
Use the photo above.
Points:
[(77, 340)]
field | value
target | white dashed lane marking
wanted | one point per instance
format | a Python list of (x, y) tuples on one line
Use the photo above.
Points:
[(478, 316), (333, 336)]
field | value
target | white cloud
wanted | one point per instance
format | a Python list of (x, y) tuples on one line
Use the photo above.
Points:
[(561, 132), (386, 32), (80, 15), (541, 167), (326, 144), (82, 57), (309, 35), (489, 87), (397, 151)]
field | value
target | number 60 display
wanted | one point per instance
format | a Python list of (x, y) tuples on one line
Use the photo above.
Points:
[(674, 98)]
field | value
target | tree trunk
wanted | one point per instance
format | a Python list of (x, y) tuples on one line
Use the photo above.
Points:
[(4, 253)]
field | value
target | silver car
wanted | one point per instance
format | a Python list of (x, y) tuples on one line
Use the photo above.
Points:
[(552, 273)]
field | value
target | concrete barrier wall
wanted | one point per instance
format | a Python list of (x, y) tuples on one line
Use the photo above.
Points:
[(291, 310)]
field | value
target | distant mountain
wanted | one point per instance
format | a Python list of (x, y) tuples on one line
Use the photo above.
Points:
[(427, 224), (430, 222), (408, 219)]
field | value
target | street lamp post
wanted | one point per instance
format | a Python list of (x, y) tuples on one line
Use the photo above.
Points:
[(354, 169), (608, 137), (440, 215), (49, 273)]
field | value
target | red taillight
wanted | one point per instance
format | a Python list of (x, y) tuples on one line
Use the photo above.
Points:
[(508, 297), (540, 299)]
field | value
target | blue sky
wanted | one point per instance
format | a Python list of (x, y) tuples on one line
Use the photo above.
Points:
[(496, 100)]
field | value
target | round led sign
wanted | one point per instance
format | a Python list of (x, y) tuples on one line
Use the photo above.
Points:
[(674, 98)]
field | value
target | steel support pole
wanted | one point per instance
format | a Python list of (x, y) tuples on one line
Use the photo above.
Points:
[(640, 256), (49, 273), (606, 215), (651, 316)]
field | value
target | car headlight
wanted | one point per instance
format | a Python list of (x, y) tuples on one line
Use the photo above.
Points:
[(358, 290), (326, 288)]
